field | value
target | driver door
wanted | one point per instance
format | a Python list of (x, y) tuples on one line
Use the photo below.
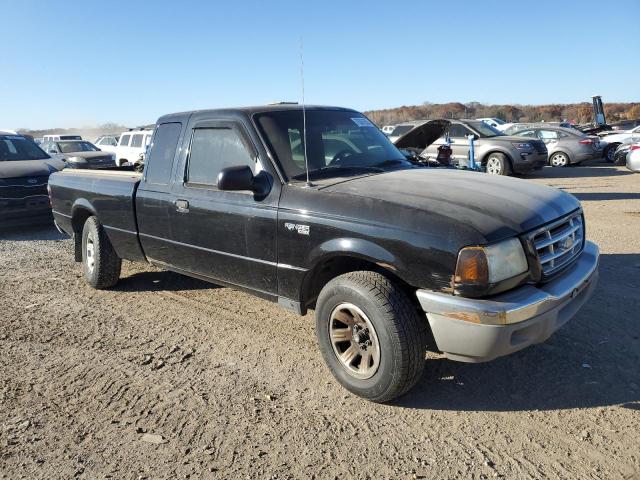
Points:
[(459, 143)]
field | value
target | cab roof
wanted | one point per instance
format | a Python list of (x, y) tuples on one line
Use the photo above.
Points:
[(247, 111)]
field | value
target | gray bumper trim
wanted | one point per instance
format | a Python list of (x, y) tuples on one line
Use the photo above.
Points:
[(480, 330)]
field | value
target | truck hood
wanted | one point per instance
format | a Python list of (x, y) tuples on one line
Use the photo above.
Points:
[(88, 155), (495, 207), (28, 168)]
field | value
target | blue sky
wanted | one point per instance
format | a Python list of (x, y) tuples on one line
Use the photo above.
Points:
[(69, 63)]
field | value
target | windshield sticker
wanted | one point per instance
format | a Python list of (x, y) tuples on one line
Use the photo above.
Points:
[(362, 122)]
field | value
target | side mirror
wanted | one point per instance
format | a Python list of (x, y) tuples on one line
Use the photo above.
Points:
[(241, 178)]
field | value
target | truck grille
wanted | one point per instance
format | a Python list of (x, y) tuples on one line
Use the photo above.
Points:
[(20, 188), (558, 244)]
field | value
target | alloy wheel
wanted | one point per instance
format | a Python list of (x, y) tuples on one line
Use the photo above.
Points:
[(91, 253), (354, 341), (559, 160), (494, 166)]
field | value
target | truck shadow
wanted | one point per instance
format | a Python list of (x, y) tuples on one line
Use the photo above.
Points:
[(585, 170), (155, 281), (593, 196), (591, 362), (45, 231)]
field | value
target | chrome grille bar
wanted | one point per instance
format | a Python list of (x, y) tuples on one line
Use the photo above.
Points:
[(558, 244)]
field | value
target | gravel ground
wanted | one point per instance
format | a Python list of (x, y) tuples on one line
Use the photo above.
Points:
[(168, 377)]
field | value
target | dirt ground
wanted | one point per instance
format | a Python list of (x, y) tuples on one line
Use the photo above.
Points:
[(169, 377)]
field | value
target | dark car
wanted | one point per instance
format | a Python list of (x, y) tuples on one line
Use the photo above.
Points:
[(24, 173), (80, 154), (318, 209)]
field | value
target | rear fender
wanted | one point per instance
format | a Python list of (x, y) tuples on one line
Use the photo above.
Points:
[(80, 211)]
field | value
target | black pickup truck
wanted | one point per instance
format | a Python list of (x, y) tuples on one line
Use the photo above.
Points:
[(319, 210)]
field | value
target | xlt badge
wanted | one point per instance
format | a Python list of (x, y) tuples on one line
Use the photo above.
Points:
[(301, 229)]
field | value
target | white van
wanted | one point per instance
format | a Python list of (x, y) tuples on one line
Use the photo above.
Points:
[(55, 138), (132, 146)]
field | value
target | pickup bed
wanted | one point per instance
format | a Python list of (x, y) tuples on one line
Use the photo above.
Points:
[(317, 209)]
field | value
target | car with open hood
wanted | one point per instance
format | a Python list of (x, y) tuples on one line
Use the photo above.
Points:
[(24, 172), (315, 208), (497, 153)]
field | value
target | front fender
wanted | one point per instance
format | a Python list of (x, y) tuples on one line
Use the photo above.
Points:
[(355, 248)]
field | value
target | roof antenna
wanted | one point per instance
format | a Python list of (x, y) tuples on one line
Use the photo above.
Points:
[(304, 114)]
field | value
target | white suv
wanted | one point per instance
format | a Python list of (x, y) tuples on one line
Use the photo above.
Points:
[(132, 147)]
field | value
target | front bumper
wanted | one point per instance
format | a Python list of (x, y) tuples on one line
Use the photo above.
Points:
[(474, 330), (527, 161)]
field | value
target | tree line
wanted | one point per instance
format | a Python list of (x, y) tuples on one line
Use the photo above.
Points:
[(573, 112)]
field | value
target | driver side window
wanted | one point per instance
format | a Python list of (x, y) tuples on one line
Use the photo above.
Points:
[(213, 149)]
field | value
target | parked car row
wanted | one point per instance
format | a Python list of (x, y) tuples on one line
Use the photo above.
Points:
[(527, 149)]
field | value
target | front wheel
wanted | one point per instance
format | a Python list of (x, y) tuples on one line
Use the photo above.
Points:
[(100, 262), (498, 164), (370, 335), (559, 159)]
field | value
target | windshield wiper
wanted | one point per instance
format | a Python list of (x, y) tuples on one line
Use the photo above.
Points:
[(394, 161), (337, 168)]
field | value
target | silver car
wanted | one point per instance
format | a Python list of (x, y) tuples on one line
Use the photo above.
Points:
[(633, 157), (565, 145), (498, 153)]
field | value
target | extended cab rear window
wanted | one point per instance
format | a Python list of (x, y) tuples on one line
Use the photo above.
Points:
[(161, 154)]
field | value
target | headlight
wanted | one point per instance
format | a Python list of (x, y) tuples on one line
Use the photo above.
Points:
[(479, 268), (522, 146)]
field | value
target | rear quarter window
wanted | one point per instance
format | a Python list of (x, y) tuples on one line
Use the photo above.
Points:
[(162, 152)]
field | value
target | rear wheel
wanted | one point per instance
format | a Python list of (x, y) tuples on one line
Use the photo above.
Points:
[(559, 159), (370, 335), (498, 164), (100, 262)]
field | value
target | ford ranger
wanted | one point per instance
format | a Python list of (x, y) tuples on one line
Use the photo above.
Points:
[(316, 209)]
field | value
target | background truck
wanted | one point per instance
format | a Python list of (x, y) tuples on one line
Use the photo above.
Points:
[(394, 257)]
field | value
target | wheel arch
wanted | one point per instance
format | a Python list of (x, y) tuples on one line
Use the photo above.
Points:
[(80, 211), (335, 264)]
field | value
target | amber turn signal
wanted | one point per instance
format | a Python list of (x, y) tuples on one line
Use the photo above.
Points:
[(472, 267)]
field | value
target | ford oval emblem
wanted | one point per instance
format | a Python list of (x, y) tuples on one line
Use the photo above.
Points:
[(32, 180), (568, 243)]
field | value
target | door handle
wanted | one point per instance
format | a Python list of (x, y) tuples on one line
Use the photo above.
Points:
[(182, 206)]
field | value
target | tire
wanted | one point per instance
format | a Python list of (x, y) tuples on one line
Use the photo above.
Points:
[(100, 263), (610, 151), (559, 159), (497, 164), (386, 319)]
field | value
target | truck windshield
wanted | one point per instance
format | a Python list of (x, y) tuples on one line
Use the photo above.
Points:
[(16, 147), (339, 143)]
